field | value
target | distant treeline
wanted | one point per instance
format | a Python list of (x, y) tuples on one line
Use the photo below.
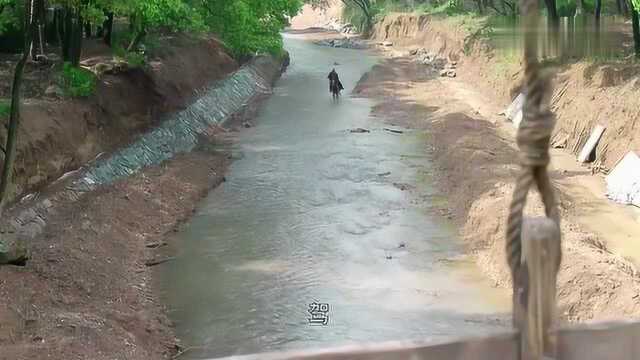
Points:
[(246, 26)]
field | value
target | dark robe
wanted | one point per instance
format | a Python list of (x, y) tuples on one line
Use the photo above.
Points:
[(334, 79)]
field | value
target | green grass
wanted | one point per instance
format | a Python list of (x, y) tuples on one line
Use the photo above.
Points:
[(5, 108), (504, 63), (77, 82), (134, 59)]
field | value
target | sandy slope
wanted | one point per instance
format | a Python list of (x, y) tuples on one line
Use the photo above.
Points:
[(476, 155)]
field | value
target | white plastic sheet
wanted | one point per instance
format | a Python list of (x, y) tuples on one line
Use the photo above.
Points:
[(623, 183)]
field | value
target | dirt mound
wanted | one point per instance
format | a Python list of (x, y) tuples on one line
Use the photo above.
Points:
[(587, 95), (441, 37), (57, 136)]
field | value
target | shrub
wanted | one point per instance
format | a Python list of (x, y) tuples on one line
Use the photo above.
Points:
[(5, 108), (77, 82), (133, 58)]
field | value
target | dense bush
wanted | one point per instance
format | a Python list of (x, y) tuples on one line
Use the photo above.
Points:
[(5, 108), (77, 82)]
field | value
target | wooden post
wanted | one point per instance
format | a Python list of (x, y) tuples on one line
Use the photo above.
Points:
[(541, 262)]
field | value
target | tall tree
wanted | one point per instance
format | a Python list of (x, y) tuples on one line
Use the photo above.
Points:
[(364, 6), (635, 5), (552, 12), (145, 15), (249, 26), (579, 8), (10, 147), (623, 9), (367, 10), (8, 14), (597, 10)]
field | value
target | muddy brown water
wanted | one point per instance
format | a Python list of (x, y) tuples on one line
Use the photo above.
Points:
[(312, 212)]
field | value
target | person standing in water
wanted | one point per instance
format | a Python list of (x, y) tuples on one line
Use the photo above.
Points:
[(335, 86)]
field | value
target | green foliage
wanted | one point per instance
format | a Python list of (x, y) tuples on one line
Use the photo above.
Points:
[(568, 7), (9, 15), (92, 11), (175, 15), (450, 8), (135, 59), (5, 108), (354, 14), (249, 26), (77, 82)]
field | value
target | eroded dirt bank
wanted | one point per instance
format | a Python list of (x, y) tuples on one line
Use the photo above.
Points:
[(87, 291), (58, 135), (475, 156), (585, 93)]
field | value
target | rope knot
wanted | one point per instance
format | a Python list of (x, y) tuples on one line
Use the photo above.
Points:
[(533, 138)]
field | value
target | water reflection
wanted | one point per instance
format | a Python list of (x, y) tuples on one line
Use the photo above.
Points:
[(304, 216)]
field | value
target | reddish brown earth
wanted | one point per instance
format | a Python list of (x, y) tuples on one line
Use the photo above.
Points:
[(87, 292), (60, 135)]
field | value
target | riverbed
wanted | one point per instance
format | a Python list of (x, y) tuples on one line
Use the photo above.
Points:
[(321, 236)]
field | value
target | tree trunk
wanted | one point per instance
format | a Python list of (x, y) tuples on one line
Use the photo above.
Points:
[(365, 6), (597, 12), (552, 12), (579, 8), (42, 23), (33, 18), (108, 29), (67, 35), (58, 16), (76, 41), (136, 40), (14, 116), (624, 7), (38, 18), (569, 45), (87, 30), (636, 31)]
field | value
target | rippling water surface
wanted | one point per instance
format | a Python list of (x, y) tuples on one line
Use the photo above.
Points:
[(308, 214)]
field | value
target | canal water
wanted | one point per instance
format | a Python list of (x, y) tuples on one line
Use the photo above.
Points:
[(313, 213)]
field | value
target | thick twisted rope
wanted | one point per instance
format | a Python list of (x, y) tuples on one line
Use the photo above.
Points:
[(533, 139)]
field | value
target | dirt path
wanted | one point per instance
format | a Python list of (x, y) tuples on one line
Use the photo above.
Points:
[(616, 225), (475, 154)]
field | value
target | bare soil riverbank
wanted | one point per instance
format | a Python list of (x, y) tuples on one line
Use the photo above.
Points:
[(87, 291), (60, 134), (476, 156)]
